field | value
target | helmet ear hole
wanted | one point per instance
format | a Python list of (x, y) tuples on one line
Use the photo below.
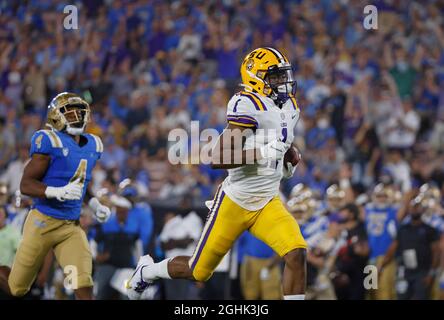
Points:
[(253, 83)]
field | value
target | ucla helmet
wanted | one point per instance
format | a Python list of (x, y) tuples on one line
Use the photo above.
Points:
[(302, 206), (297, 189), (382, 195), (431, 195), (267, 72), (335, 197), (68, 112)]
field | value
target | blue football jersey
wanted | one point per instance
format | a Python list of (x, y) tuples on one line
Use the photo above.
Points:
[(69, 161), (381, 227), (314, 229)]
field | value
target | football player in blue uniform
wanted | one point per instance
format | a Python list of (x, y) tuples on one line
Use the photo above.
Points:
[(320, 240), (62, 159), (434, 217), (381, 220)]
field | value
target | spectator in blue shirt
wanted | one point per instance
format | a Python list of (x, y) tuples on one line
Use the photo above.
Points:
[(117, 242), (318, 136), (260, 270), (140, 209)]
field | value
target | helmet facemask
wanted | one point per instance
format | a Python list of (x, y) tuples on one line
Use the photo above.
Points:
[(279, 83), (68, 112), (76, 117)]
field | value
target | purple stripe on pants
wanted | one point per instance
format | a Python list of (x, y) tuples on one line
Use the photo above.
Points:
[(208, 231)]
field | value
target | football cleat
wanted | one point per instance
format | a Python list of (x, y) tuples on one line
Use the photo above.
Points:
[(136, 285)]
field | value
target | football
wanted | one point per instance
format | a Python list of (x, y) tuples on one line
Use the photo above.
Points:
[(292, 155)]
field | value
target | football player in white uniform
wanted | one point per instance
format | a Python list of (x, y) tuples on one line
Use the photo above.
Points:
[(261, 120)]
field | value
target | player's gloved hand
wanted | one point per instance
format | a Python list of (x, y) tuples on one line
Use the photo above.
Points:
[(274, 150), (289, 170), (101, 212), (72, 191)]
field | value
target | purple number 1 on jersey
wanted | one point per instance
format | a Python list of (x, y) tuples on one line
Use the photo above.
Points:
[(284, 134)]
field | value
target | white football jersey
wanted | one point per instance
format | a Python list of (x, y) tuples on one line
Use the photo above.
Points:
[(252, 186)]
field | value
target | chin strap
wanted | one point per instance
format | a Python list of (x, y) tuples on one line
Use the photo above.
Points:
[(75, 131)]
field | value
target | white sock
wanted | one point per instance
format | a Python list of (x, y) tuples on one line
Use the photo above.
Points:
[(295, 297), (156, 270)]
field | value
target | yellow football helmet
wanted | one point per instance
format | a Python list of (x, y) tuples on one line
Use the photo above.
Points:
[(267, 72), (68, 112)]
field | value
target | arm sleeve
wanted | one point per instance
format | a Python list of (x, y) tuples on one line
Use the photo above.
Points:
[(40, 143), (241, 112)]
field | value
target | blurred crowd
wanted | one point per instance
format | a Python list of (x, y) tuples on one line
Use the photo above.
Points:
[(372, 118)]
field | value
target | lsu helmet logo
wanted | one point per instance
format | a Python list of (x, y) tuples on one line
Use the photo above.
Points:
[(250, 64)]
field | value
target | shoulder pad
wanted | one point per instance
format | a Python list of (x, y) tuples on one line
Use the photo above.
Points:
[(53, 137), (98, 142)]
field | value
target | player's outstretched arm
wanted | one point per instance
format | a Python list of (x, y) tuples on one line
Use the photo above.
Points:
[(35, 170), (229, 150)]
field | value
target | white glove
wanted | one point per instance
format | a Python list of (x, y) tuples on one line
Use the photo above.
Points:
[(101, 212), (72, 191), (274, 150), (289, 170)]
